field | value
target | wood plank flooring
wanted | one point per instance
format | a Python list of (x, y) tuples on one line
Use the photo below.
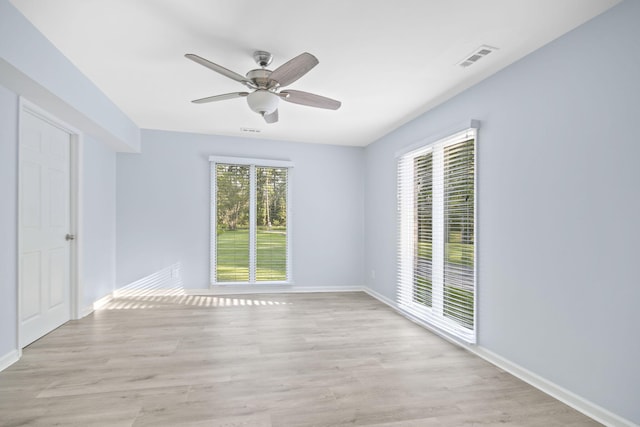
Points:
[(262, 360)]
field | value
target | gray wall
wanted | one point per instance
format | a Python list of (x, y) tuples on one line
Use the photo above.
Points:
[(31, 66), (98, 229), (8, 219), (163, 207), (99, 220), (558, 209)]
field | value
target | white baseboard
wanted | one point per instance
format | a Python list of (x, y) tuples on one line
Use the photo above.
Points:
[(380, 298), (86, 311), (567, 397), (416, 320), (269, 289), (9, 359), (102, 301), (96, 305)]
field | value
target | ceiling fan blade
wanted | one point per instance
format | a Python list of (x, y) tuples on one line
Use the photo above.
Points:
[(295, 68), (219, 69), (310, 99), (271, 118), (220, 97)]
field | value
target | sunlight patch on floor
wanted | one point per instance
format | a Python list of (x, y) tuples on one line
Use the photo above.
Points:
[(153, 300), (164, 288)]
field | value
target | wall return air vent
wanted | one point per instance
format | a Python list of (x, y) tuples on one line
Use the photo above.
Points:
[(477, 55)]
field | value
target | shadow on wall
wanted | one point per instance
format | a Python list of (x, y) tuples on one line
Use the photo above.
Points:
[(167, 281), (164, 288)]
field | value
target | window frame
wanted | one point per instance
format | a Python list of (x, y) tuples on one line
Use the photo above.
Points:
[(406, 235), (253, 163)]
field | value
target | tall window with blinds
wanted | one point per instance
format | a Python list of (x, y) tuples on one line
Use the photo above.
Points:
[(250, 219), (232, 223), (436, 236), (271, 221)]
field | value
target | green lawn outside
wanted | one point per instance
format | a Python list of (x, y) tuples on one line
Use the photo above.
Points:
[(422, 291), (232, 255), (459, 301), (459, 305), (456, 253)]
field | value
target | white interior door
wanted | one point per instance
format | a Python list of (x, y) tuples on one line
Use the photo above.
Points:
[(45, 220)]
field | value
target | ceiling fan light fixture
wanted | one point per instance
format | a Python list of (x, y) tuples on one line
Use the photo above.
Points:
[(266, 84), (263, 101)]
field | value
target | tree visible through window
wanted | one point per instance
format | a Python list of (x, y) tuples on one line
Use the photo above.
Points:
[(251, 218), (459, 193), (422, 284), (232, 226), (271, 193)]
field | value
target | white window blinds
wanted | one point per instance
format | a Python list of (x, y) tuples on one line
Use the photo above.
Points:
[(232, 232), (250, 217), (271, 222), (436, 236)]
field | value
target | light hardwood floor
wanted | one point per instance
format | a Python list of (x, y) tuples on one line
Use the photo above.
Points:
[(262, 360)]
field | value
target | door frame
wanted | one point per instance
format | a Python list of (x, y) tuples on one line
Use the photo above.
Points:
[(75, 211)]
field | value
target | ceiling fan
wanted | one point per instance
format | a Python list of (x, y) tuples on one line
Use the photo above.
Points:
[(267, 84)]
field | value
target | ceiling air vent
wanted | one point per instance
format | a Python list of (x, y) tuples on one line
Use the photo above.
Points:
[(476, 55), (250, 130)]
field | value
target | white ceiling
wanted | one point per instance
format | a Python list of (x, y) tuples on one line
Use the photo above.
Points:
[(387, 61)]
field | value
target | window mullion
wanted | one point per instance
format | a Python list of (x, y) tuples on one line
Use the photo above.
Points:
[(252, 224), (438, 250)]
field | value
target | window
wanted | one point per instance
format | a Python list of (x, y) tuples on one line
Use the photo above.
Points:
[(436, 204), (250, 217)]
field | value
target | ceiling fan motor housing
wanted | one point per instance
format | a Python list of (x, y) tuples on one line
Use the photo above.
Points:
[(261, 78)]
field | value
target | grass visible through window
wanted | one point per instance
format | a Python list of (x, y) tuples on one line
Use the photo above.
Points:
[(232, 255), (458, 301)]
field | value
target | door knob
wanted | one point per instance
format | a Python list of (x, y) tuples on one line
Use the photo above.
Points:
[(70, 237)]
